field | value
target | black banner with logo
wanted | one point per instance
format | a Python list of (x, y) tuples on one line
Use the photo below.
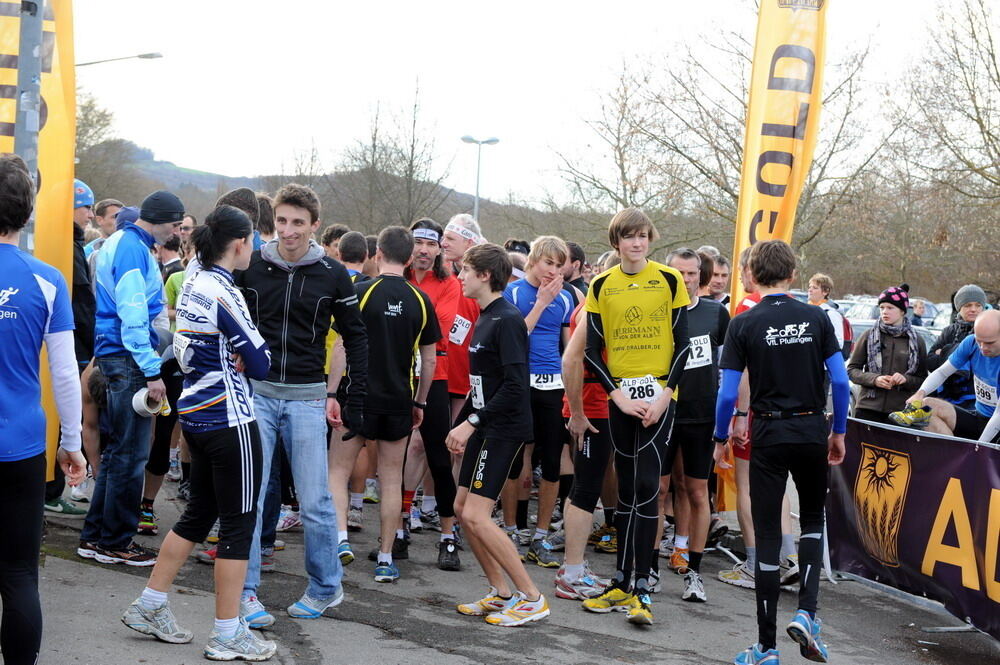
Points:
[(920, 513)]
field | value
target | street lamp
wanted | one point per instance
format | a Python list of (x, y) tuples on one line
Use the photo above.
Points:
[(479, 160), (142, 56)]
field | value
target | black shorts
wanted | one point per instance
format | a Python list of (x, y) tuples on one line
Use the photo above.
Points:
[(697, 447), (969, 424), (387, 426), (487, 463)]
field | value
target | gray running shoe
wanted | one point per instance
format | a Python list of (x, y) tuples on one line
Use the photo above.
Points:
[(542, 554), (694, 588), (308, 607), (354, 519), (244, 645), (556, 540), (160, 623), (253, 612)]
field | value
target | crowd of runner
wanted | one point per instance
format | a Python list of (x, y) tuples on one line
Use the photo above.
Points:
[(286, 377)]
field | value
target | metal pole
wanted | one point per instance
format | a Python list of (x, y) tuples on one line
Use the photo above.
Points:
[(29, 98), (479, 161)]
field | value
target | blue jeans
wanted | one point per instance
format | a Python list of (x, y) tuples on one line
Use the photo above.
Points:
[(272, 503), (300, 425), (114, 508)]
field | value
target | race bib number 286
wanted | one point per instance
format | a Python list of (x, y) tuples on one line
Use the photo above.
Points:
[(646, 388)]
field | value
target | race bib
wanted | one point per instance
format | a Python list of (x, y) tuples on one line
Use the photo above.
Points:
[(416, 364), (700, 353), (646, 388), (476, 390), (181, 344), (459, 330), (546, 381), (985, 393)]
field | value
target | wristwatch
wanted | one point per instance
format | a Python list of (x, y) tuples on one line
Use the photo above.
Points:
[(420, 405), (719, 441), (740, 414), (474, 419)]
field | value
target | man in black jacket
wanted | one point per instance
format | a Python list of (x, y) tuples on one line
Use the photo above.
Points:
[(292, 290)]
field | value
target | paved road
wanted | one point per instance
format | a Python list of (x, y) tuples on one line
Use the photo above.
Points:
[(413, 621)]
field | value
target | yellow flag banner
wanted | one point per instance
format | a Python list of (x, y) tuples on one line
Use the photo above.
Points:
[(782, 121), (53, 238)]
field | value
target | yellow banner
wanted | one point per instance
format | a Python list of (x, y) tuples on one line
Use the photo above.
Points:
[(53, 240), (782, 121)]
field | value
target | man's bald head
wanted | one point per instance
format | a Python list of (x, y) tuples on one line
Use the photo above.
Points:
[(987, 329)]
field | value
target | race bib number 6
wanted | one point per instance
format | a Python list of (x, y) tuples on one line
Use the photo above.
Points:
[(459, 330), (646, 388), (985, 393), (546, 381), (476, 390)]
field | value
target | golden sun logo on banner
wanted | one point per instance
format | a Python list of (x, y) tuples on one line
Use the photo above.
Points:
[(879, 498)]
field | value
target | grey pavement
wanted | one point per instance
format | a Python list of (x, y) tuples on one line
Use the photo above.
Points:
[(413, 620)]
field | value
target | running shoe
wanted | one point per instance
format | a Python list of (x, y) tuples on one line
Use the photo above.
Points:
[(679, 561), (415, 525), (914, 414), (371, 491), (279, 545), (448, 555), (213, 534), (603, 581), (694, 588), (208, 555), (308, 607), (520, 612), (598, 533), (669, 531), (160, 623), (640, 612), (608, 544), (431, 520), (740, 575), (754, 656), (147, 521), (354, 519), (805, 630), (716, 530), (541, 553), (243, 645), (556, 540), (174, 472), (267, 561), (253, 613), (386, 572), (184, 490), (655, 586), (790, 570), (583, 587), (666, 548), (488, 604), (400, 549), (82, 492), (86, 550), (133, 555), (63, 508), (345, 552), (612, 600), (289, 520)]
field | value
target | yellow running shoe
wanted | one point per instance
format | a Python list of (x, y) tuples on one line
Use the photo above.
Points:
[(520, 612), (598, 533), (484, 606), (640, 612), (608, 544), (914, 414), (612, 600)]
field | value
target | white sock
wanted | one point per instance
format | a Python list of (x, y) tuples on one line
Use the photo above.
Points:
[(447, 536), (680, 542), (540, 533), (510, 529), (227, 627), (400, 533), (384, 558), (357, 499), (341, 536), (152, 599), (429, 503), (573, 571)]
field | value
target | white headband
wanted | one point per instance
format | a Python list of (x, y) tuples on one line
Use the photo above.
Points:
[(464, 232), (427, 234)]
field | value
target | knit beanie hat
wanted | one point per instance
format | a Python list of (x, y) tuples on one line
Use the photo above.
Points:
[(161, 207), (83, 195), (896, 295), (242, 198), (126, 215), (969, 293)]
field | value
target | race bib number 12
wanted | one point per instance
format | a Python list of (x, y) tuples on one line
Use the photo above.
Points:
[(646, 388), (700, 353)]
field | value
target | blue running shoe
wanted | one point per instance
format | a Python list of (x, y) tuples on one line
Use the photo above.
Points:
[(386, 572), (345, 553), (805, 630), (308, 607), (754, 656)]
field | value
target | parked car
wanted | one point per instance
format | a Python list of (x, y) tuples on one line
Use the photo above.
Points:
[(867, 309)]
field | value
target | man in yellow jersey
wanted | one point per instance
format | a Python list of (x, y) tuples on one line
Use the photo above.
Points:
[(637, 315)]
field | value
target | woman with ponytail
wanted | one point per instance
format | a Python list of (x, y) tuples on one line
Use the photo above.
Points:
[(217, 348)]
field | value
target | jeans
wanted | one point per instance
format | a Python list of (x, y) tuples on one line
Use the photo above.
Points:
[(272, 503), (114, 506), (300, 426)]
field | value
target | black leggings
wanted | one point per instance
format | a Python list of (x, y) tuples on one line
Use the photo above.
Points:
[(22, 490), (550, 432), (225, 484), (434, 430), (639, 453), (590, 465), (769, 469), (163, 427)]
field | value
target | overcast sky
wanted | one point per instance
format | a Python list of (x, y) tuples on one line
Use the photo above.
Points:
[(245, 84)]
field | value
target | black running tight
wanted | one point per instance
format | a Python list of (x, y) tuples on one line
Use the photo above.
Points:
[(434, 430)]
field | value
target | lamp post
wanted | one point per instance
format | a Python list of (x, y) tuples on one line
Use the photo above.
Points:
[(141, 56), (479, 161)]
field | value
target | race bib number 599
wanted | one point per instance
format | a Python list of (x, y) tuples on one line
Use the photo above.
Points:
[(985, 393), (646, 388)]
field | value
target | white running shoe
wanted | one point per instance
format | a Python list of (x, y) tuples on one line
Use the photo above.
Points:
[(160, 623), (694, 588), (244, 645)]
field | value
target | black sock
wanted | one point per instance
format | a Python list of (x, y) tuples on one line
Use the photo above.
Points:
[(522, 513), (146, 503), (565, 486), (185, 471), (609, 517), (670, 519), (656, 561), (694, 560)]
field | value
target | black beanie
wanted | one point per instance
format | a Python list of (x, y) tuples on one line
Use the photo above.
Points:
[(161, 207)]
